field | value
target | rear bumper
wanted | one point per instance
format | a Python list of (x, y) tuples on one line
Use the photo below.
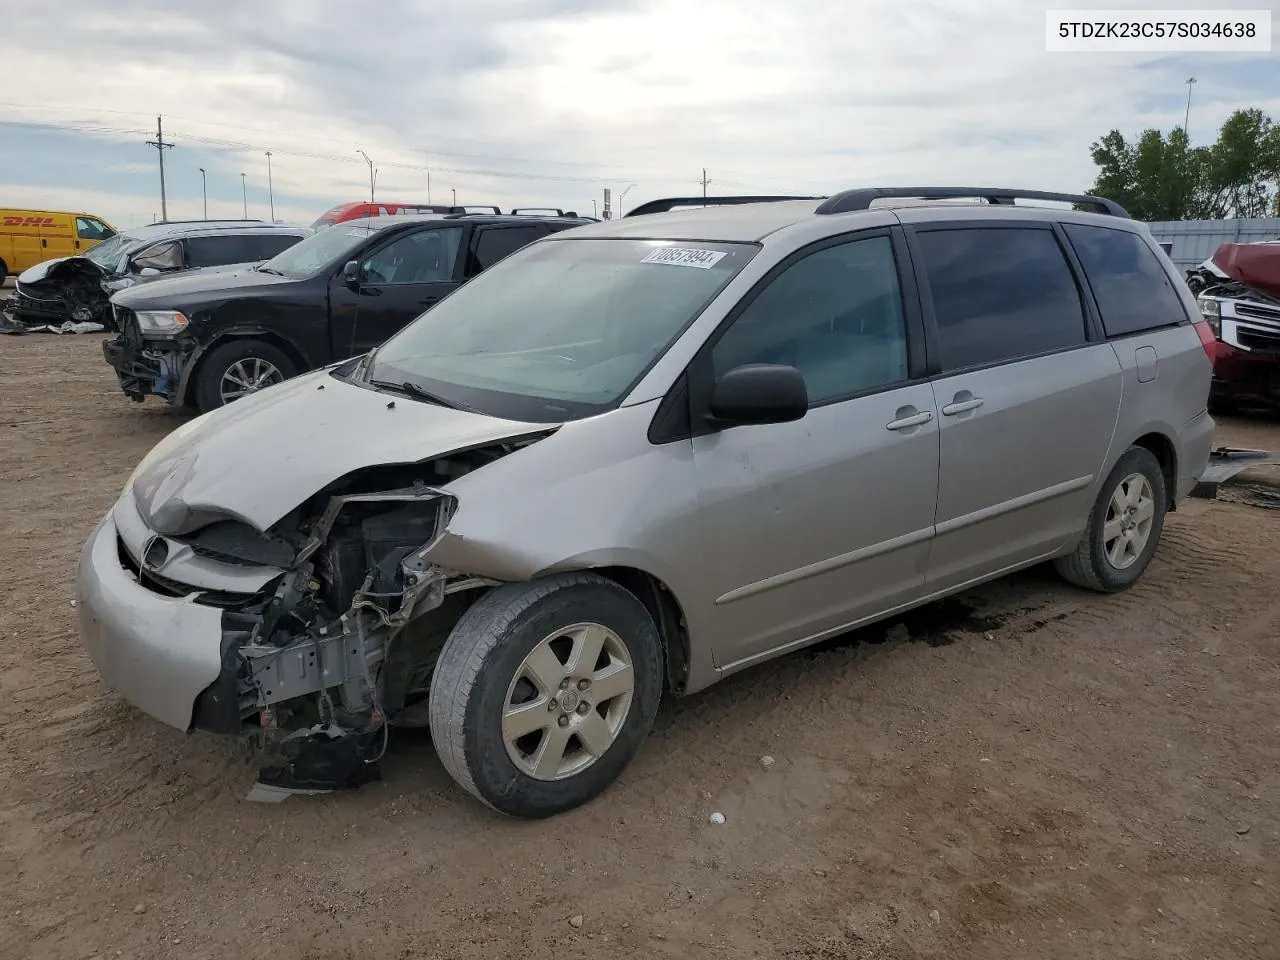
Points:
[(159, 653), (1197, 443)]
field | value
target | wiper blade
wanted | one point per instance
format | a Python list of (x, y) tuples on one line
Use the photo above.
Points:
[(272, 270), (413, 390)]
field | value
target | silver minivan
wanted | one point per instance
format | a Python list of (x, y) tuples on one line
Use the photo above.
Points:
[(639, 456)]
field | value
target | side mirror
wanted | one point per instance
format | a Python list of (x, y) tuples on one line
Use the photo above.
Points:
[(756, 393), (351, 274)]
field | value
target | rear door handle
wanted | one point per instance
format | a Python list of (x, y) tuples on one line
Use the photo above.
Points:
[(961, 406), (906, 423)]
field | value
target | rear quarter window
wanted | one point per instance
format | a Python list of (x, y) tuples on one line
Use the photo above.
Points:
[(1133, 291)]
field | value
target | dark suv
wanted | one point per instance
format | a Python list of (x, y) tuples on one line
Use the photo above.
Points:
[(204, 341)]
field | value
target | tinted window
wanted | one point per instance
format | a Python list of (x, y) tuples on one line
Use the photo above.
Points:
[(494, 243), (1000, 294), (836, 315), (219, 251), (1130, 285), (267, 245), (427, 256)]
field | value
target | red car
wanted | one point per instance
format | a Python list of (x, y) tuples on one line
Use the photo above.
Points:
[(1239, 294), (354, 211)]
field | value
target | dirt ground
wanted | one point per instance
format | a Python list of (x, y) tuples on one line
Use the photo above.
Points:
[(1034, 773)]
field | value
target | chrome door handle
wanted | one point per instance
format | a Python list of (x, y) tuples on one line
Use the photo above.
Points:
[(961, 406), (906, 423)]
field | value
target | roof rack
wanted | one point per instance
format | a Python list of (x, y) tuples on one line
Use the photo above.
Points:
[(539, 212), (862, 198), (670, 203)]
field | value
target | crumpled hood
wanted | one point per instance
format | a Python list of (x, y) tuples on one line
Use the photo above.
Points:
[(173, 291), (40, 270), (258, 458)]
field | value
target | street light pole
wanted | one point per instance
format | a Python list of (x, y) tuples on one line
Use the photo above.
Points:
[(370, 163), (244, 192), (271, 195), (454, 191), (1187, 117), (622, 196), (204, 192)]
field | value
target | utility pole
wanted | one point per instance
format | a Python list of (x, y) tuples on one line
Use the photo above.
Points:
[(204, 192), (371, 172), (428, 178), (1187, 118), (161, 147), (271, 196), (704, 182), (244, 192)]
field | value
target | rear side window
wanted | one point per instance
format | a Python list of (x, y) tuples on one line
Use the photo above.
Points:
[(1000, 294), (266, 245), (1132, 289), (494, 243), (219, 251)]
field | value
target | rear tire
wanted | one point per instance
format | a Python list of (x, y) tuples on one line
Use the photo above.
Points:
[(255, 363), (520, 718), (1124, 526)]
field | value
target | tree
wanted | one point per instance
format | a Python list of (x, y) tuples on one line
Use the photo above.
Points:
[(1165, 178)]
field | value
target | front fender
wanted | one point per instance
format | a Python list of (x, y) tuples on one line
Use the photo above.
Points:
[(241, 332)]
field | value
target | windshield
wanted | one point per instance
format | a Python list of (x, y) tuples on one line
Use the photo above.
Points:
[(107, 253), (562, 329), (308, 257)]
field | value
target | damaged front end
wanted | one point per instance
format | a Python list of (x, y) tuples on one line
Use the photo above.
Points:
[(144, 366), (69, 290), (331, 621)]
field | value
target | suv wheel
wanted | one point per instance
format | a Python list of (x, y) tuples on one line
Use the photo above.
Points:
[(237, 369), (1124, 526), (544, 692)]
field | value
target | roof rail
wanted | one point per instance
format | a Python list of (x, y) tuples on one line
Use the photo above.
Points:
[(539, 212), (862, 198), (670, 203)]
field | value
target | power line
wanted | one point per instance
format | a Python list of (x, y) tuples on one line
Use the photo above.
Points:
[(434, 150)]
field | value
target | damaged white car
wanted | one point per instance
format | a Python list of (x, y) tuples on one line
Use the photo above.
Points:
[(636, 457)]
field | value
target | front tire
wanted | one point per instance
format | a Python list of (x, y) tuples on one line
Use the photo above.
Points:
[(544, 692), (1124, 526), (237, 369)]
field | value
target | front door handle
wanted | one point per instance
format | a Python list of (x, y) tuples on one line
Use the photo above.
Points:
[(961, 406), (906, 423)]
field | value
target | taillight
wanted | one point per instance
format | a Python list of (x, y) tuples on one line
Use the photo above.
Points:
[(1208, 339)]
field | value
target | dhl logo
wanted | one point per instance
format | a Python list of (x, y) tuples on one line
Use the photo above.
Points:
[(28, 221)]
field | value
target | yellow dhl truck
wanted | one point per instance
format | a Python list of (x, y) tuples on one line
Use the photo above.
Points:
[(28, 237)]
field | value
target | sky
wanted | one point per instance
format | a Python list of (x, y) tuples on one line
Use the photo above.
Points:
[(549, 102)]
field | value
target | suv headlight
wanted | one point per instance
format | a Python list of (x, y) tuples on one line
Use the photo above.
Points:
[(161, 323), (1211, 310)]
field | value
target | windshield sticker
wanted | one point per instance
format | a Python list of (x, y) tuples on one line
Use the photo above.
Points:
[(684, 257)]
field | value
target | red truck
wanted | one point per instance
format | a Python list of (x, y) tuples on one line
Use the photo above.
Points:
[(1238, 289)]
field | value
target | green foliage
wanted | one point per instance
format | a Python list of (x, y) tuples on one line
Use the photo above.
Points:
[(1159, 177)]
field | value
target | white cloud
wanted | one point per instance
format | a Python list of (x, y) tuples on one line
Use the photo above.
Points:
[(567, 96)]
